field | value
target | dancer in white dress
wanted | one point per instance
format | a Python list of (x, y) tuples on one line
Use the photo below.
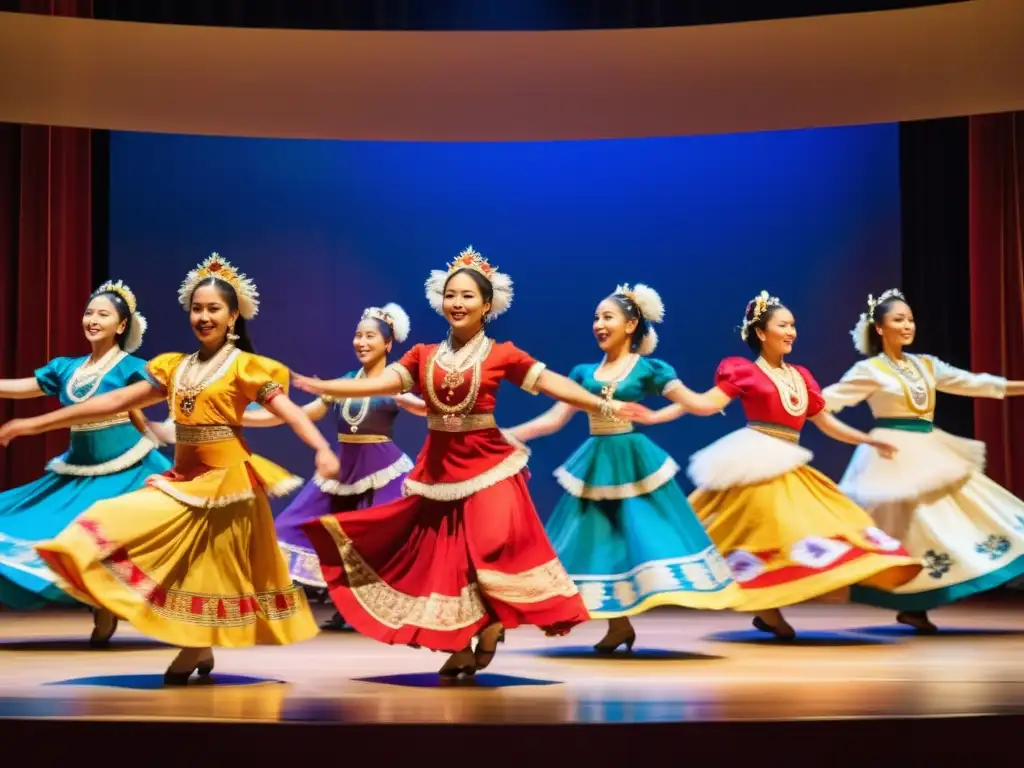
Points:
[(933, 496)]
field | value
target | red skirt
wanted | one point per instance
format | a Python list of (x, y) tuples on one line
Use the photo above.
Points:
[(433, 574)]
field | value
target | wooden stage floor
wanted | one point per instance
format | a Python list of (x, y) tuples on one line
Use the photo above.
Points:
[(687, 667)]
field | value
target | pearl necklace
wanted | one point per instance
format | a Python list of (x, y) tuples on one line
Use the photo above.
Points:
[(452, 414), (364, 408), (86, 379), (914, 382), (455, 364), (790, 384)]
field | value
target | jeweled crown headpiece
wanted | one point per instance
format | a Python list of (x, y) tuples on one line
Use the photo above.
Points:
[(215, 266), (137, 325), (470, 258), (755, 308), (650, 306), (121, 290), (861, 332), (394, 316)]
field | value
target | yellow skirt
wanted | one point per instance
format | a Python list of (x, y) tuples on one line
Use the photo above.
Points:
[(797, 537), (189, 576)]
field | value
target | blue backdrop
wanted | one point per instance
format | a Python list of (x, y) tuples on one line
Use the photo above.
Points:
[(327, 228)]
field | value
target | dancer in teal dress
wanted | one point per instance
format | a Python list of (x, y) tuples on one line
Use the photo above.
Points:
[(104, 459), (624, 530)]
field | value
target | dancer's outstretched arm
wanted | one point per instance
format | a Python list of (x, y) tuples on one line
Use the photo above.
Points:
[(549, 422), (20, 389)]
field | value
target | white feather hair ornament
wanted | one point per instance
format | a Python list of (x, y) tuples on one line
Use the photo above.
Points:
[(394, 316), (136, 330), (138, 325), (215, 266), (649, 303), (865, 326), (501, 284)]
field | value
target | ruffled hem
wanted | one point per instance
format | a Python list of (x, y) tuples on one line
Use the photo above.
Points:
[(744, 457), (581, 490), (927, 462), (129, 458), (221, 487), (375, 481), (508, 467)]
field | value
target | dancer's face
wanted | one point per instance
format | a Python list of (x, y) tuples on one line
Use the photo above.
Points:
[(612, 328), (210, 316), (778, 334), (897, 328), (101, 322), (369, 342), (464, 306)]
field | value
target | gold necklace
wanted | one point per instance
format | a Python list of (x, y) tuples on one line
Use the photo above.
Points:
[(191, 384), (454, 363), (452, 414), (914, 383), (790, 384)]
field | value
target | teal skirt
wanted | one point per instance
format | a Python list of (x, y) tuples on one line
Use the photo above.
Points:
[(627, 535), (42, 509)]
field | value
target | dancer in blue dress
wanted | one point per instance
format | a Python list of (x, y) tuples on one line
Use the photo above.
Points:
[(624, 530), (105, 459)]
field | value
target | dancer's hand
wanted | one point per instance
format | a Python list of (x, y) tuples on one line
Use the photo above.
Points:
[(310, 384), (885, 450), (633, 412), (327, 464), (14, 429)]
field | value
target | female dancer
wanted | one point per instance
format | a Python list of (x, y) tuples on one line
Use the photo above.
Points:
[(105, 458), (372, 467), (787, 532), (192, 559), (624, 529), (934, 496), (464, 554)]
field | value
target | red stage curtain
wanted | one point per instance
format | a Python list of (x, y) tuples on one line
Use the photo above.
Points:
[(45, 258), (997, 284)]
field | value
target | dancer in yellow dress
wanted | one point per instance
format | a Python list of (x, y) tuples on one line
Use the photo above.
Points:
[(192, 559)]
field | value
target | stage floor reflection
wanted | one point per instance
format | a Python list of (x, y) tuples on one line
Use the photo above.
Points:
[(687, 666)]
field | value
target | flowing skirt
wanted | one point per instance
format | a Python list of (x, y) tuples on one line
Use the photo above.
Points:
[(38, 511), (797, 537), (627, 535), (189, 576), (968, 530), (433, 574), (370, 474)]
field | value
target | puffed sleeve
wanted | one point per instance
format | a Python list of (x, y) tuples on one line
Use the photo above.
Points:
[(662, 377), (51, 376), (955, 381), (262, 379), (856, 386), (520, 368), (815, 400), (731, 375), (161, 368), (134, 370), (578, 374), (408, 368)]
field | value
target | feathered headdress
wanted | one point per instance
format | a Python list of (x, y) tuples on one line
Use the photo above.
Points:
[(501, 284), (650, 306), (861, 332), (138, 325), (759, 304), (215, 266), (394, 316)]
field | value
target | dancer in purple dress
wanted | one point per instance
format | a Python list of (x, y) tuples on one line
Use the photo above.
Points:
[(372, 466)]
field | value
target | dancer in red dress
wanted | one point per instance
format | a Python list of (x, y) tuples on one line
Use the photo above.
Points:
[(464, 553)]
